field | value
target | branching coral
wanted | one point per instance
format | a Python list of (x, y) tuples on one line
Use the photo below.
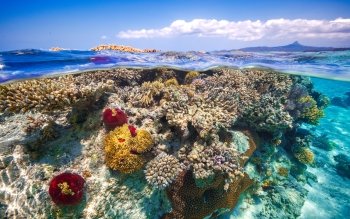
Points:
[(310, 113), (171, 82), (146, 94), (190, 76), (162, 170), (304, 155), (268, 115), (48, 93), (207, 161), (123, 152)]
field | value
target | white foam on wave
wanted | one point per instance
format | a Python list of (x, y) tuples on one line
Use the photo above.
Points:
[(2, 66)]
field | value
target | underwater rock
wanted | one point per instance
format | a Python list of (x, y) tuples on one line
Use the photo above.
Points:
[(323, 142), (343, 165)]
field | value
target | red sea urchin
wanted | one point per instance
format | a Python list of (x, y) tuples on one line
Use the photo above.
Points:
[(67, 189), (114, 117)]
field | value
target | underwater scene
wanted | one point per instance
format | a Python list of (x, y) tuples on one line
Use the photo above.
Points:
[(175, 109), (163, 142)]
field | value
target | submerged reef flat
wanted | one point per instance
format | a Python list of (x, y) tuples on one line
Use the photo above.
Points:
[(156, 143)]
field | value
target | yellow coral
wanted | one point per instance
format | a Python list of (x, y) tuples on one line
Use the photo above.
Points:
[(282, 171), (171, 82), (150, 90), (123, 152), (304, 155), (312, 113), (142, 141), (190, 76)]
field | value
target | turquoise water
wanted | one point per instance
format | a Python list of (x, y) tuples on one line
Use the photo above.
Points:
[(330, 197)]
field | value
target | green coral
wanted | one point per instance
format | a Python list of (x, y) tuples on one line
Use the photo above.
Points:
[(311, 113), (304, 155), (190, 76)]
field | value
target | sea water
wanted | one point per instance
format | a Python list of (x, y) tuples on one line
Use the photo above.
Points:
[(329, 197)]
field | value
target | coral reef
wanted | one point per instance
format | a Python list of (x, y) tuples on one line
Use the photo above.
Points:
[(190, 76), (123, 152), (201, 139), (47, 94), (171, 82), (311, 113), (304, 155), (217, 159), (162, 170), (67, 189)]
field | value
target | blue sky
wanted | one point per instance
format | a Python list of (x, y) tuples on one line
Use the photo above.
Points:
[(172, 25)]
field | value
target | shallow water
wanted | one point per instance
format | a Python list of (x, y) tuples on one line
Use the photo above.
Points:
[(324, 193)]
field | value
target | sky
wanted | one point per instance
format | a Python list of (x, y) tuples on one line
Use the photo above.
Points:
[(173, 25)]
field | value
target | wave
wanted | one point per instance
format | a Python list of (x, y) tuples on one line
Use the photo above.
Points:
[(333, 65)]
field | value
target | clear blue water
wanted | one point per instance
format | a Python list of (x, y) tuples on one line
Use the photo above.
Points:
[(21, 64)]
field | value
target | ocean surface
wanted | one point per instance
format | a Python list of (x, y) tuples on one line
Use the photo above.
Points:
[(19, 64), (329, 197)]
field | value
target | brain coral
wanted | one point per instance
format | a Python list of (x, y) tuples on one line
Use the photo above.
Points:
[(123, 152), (162, 170)]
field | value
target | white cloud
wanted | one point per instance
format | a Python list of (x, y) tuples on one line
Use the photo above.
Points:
[(104, 37), (248, 30)]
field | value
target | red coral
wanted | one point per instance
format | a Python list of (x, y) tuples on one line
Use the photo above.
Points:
[(132, 130), (114, 117), (67, 189)]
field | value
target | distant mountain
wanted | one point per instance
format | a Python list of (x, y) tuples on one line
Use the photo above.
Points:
[(294, 47)]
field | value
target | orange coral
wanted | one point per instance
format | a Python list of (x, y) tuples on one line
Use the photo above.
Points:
[(123, 152), (192, 202)]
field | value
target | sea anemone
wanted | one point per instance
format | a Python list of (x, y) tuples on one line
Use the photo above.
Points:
[(67, 189), (113, 117), (124, 148)]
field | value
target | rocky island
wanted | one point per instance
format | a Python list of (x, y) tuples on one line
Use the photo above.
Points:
[(122, 48)]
